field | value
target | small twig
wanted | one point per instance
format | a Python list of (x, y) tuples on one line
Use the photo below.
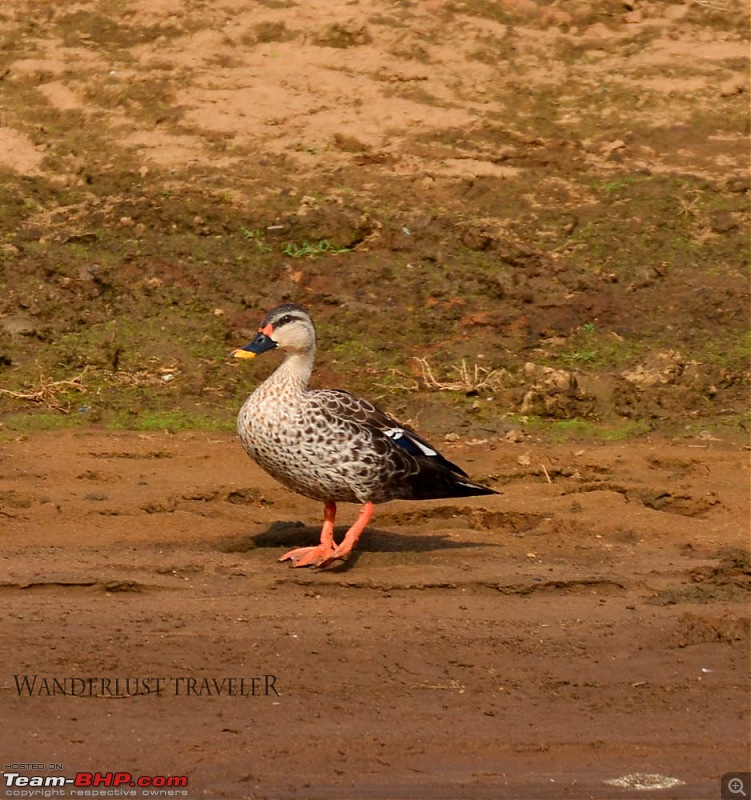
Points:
[(454, 686), (712, 5), (546, 473)]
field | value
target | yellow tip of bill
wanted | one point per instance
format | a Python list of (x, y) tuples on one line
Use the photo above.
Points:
[(240, 353)]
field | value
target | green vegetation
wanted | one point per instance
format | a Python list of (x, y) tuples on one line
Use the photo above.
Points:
[(128, 284), (257, 237), (589, 348), (565, 430), (323, 247), (318, 249), (172, 421)]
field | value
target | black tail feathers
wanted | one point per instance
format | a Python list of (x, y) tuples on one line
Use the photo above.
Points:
[(466, 488), (444, 485)]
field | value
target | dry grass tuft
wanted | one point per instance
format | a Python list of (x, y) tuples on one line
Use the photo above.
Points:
[(48, 392), (469, 380), (56, 394)]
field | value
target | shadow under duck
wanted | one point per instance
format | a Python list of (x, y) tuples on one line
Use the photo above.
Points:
[(333, 446)]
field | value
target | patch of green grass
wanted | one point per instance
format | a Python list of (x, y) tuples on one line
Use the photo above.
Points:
[(590, 348), (257, 237), (134, 345), (661, 219), (323, 247), (565, 430), (301, 147), (171, 421), (619, 184), (729, 349), (730, 426), (28, 422), (577, 358)]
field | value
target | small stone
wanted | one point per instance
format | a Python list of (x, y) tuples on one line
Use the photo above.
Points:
[(732, 86), (551, 15), (738, 184), (477, 240), (675, 12), (18, 325), (723, 222), (350, 144), (598, 30), (633, 17)]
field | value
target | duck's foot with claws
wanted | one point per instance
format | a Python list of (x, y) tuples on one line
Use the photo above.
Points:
[(321, 553), (309, 556), (327, 552)]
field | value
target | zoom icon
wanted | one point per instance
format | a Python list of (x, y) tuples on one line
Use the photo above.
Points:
[(735, 786)]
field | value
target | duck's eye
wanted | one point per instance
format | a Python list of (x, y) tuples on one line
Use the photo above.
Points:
[(284, 320)]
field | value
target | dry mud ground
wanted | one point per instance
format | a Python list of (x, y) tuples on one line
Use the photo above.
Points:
[(555, 192), (590, 623)]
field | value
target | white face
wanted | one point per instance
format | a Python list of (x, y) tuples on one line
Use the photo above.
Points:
[(288, 327), (297, 335)]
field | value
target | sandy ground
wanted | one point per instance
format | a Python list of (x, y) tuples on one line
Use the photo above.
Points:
[(587, 624), (535, 184)]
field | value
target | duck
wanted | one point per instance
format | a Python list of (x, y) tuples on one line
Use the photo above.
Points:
[(332, 446)]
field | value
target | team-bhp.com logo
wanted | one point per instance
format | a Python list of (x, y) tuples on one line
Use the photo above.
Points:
[(90, 784)]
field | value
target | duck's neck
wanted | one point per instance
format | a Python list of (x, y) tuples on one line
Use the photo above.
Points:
[(296, 369)]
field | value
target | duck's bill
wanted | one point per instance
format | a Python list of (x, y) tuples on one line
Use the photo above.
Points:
[(240, 353), (259, 345)]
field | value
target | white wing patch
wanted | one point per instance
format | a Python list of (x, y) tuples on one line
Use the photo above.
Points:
[(409, 443)]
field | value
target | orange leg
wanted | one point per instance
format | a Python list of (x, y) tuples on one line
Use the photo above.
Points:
[(307, 556), (351, 537)]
